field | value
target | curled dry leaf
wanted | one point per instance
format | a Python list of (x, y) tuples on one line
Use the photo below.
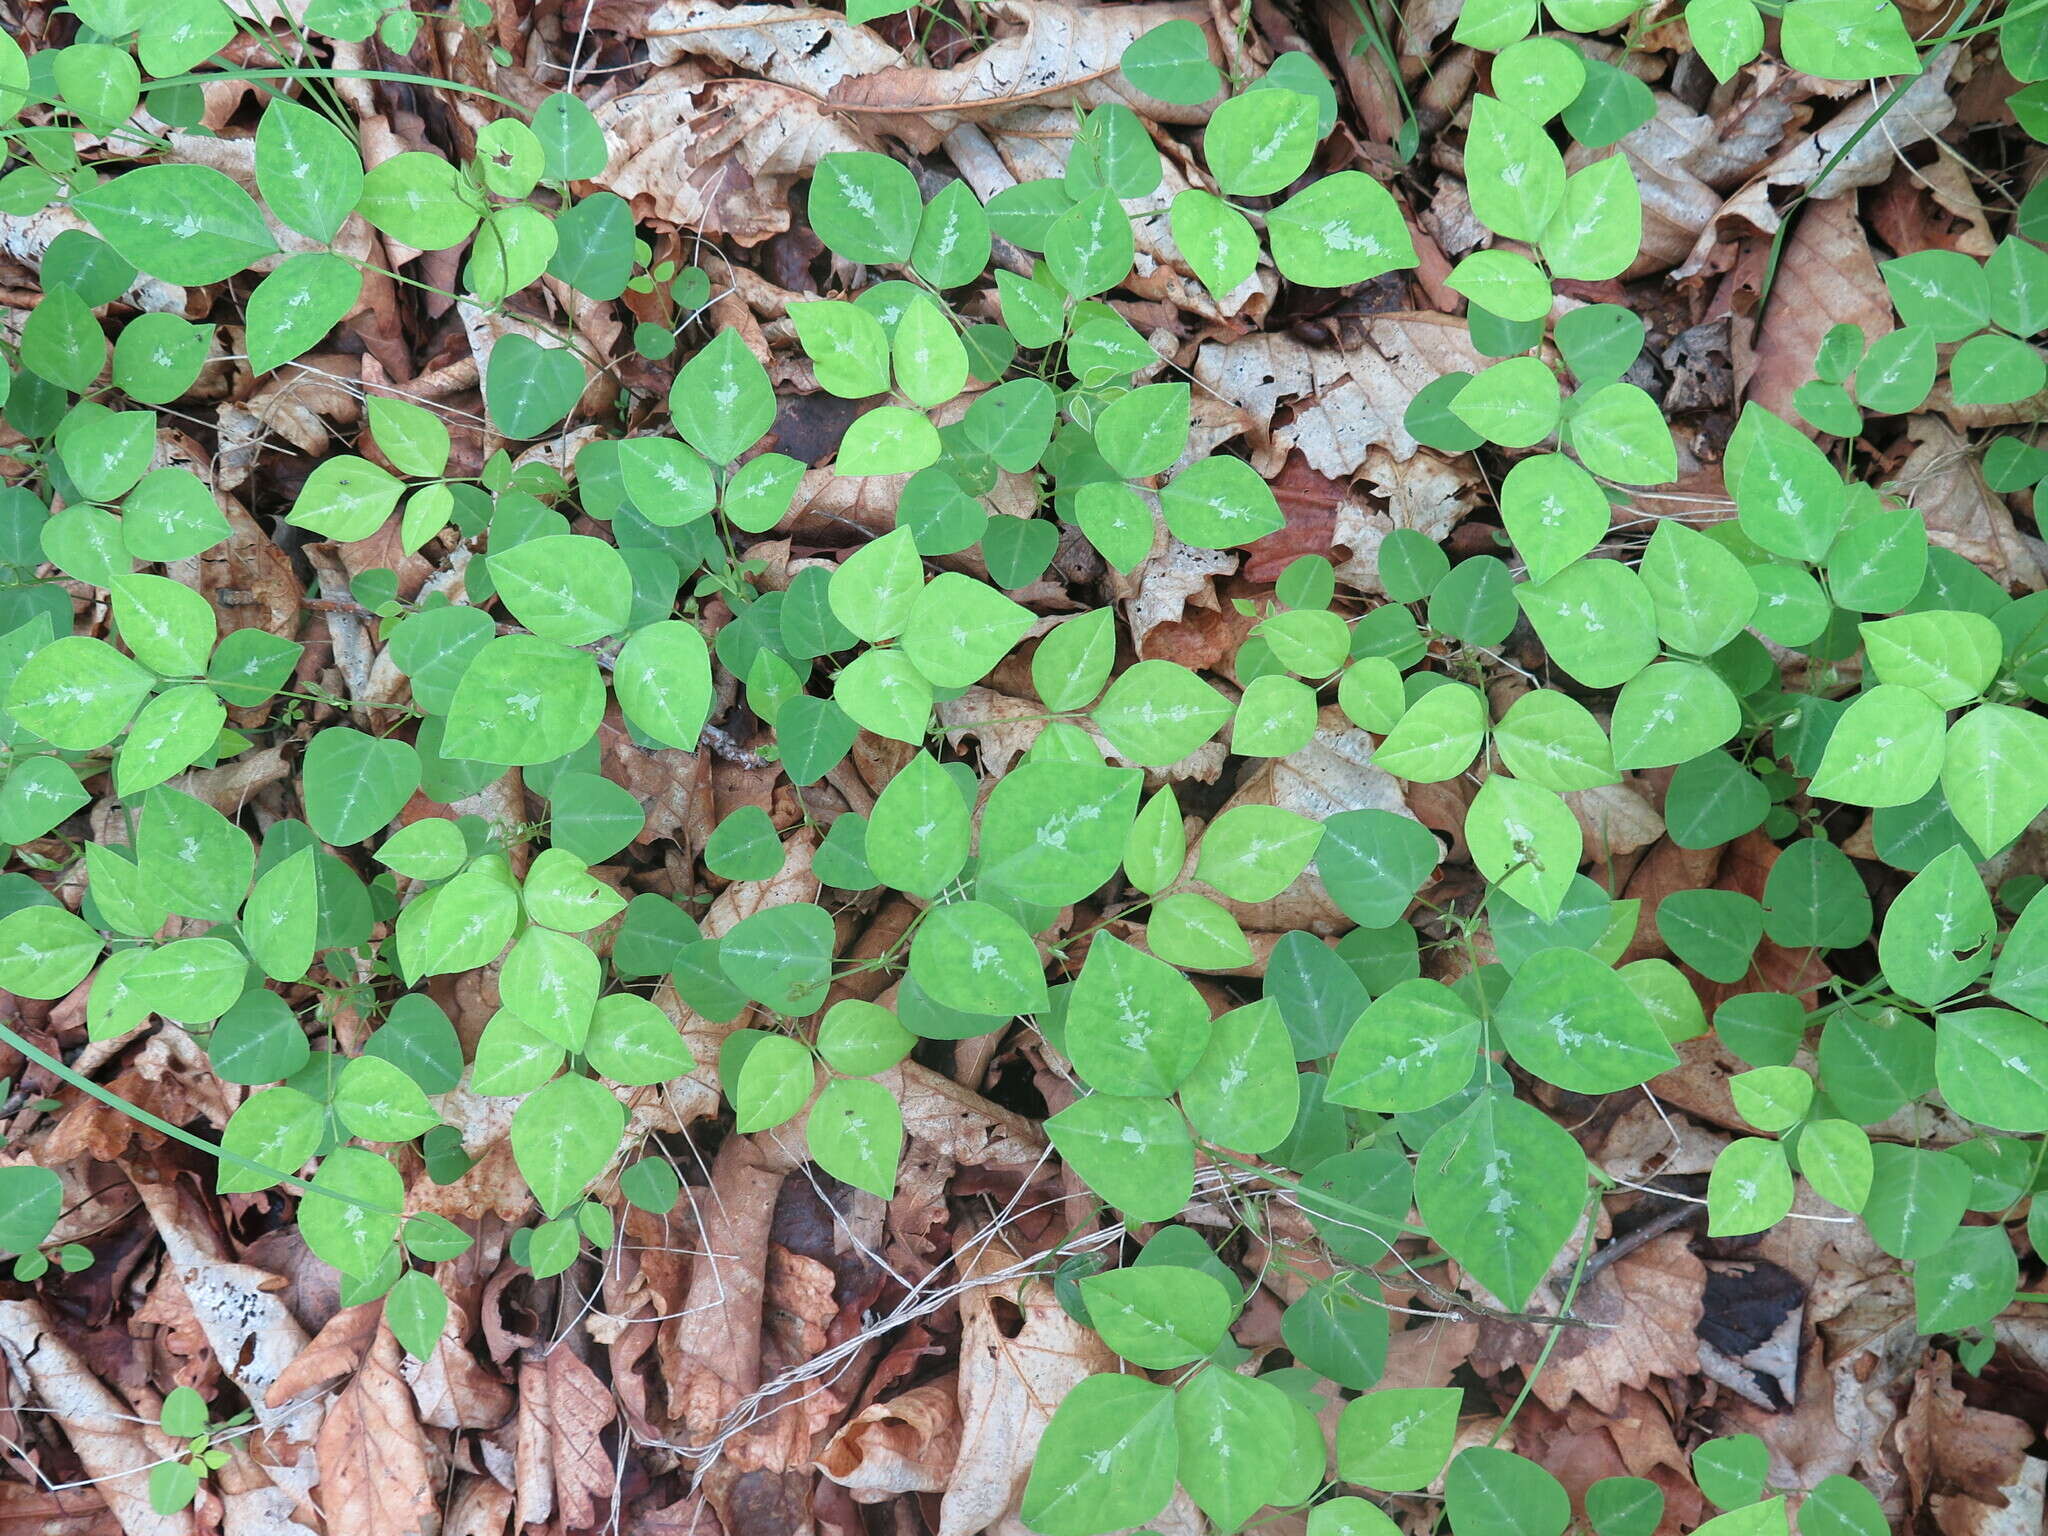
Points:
[(906, 1445)]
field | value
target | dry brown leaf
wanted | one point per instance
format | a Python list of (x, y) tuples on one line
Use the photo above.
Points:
[(906, 1445), (113, 1445), (1645, 1305), (717, 156), (1828, 278), (1955, 1452), (1941, 479), (1047, 54), (376, 1476), (1020, 1354), (1346, 399), (1924, 110)]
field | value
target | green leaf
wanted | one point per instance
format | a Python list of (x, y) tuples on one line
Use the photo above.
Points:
[(874, 588), (1514, 174), (1552, 740), (1898, 371), (1135, 1153), (919, 829), (457, 927), (1526, 840), (632, 1041), (1341, 229), (32, 1199), (77, 693), (855, 1132), (1108, 1459), (1967, 1282), (1257, 143), (1619, 433), (1772, 1098), (523, 700), (1598, 227), (952, 246), (1413, 1048), (960, 628), (1937, 933), (1218, 243), (1170, 63), (1157, 712), (1950, 655), (1814, 896), (1726, 34), (1671, 712), (185, 224), (355, 784), (865, 207), (550, 982), (417, 1310), (1490, 1492), (1835, 1157), (568, 588), (564, 1134), (1437, 737), (976, 959), (1254, 852), (1074, 660), (1596, 619), (529, 387), (781, 957), (1218, 503), (848, 349), (45, 951), (353, 1233), (1501, 1155), (420, 200), (1846, 40), (1886, 749), (1917, 1199), (1244, 1093), (1134, 1025), (1992, 1066), (881, 691), (721, 401), (1514, 403), (1236, 1439), (1160, 1316), (375, 1100), (1570, 1020), (1713, 931), (1090, 247), (345, 498), (297, 304), (1750, 1188), (307, 169), (1397, 1439)]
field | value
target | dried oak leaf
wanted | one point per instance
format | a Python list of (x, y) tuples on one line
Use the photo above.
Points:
[(1647, 1306), (376, 1477)]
